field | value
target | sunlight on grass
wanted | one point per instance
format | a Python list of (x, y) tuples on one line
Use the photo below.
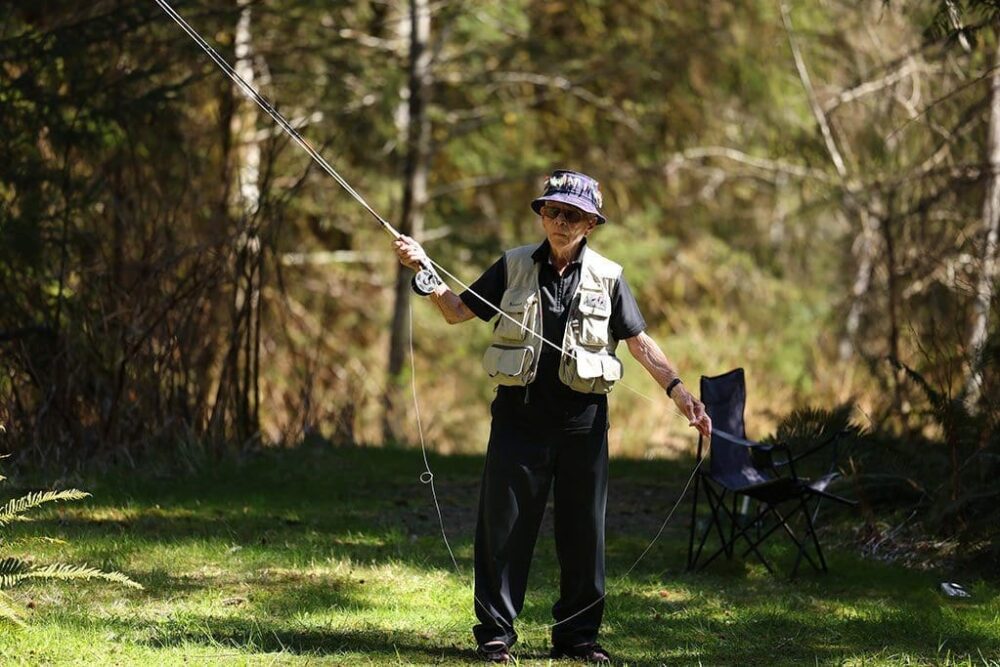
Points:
[(295, 576)]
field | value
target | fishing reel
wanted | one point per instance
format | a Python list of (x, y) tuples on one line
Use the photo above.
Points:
[(425, 280)]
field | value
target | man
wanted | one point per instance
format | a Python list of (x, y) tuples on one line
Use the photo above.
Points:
[(550, 415)]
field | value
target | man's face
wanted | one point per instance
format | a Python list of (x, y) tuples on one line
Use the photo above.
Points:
[(561, 232)]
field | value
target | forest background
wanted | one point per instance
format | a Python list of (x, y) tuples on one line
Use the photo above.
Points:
[(806, 189)]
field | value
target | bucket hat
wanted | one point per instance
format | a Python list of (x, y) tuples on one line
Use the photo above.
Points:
[(575, 189)]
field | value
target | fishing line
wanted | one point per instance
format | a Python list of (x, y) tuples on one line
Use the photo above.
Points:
[(269, 109), (427, 477), (275, 115)]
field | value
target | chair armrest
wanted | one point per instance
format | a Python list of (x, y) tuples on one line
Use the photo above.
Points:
[(810, 451), (832, 440), (834, 498), (790, 458), (765, 452), (743, 442)]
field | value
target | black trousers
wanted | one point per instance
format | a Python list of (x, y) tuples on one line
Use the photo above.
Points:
[(522, 463)]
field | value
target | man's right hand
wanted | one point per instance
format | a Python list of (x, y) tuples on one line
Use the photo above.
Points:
[(409, 252)]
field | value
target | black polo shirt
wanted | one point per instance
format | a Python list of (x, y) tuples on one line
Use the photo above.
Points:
[(547, 403)]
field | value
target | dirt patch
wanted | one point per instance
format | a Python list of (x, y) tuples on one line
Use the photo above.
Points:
[(637, 509)]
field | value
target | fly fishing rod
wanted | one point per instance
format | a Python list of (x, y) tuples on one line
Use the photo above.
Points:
[(427, 278)]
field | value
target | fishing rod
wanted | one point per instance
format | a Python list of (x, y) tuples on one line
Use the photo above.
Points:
[(426, 279)]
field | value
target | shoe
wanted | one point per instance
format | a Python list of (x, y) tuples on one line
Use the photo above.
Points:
[(495, 651), (590, 652)]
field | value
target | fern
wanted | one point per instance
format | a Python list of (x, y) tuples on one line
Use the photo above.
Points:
[(64, 572), (16, 508), (12, 571), (807, 426), (15, 570), (32, 539), (8, 612)]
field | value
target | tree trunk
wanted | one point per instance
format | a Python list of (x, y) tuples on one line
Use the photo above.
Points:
[(239, 376), (417, 130), (991, 227), (866, 249)]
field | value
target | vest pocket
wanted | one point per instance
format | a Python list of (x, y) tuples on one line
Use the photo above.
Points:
[(595, 309), (519, 304), (590, 372), (508, 363)]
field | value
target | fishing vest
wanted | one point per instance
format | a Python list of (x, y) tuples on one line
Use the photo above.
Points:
[(591, 366)]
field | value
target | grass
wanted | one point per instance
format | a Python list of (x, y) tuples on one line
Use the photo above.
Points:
[(334, 556)]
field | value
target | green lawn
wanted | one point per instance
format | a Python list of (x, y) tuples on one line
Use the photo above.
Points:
[(334, 556)]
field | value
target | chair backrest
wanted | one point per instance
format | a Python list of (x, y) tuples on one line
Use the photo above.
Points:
[(725, 397)]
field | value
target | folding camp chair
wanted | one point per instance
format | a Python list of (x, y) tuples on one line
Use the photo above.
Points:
[(741, 471)]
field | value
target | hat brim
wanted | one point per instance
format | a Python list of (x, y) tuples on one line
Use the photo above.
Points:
[(573, 200)]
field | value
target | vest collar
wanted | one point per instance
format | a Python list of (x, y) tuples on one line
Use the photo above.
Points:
[(543, 252)]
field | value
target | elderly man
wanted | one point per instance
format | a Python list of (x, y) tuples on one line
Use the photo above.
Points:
[(550, 415)]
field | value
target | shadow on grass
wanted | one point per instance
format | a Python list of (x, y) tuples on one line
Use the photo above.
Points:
[(760, 625), (254, 635), (750, 619), (260, 522)]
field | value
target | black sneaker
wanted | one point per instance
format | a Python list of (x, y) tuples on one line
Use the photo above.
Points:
[(495, 651), (591, 652)]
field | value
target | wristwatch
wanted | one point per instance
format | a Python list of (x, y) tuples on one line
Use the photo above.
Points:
[(670, 387)]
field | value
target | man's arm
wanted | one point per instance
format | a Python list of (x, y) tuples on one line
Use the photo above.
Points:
[(450, 305), (645, 350), (411, 255)]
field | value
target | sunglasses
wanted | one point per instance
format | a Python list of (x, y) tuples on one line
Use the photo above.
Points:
[(570, 215)]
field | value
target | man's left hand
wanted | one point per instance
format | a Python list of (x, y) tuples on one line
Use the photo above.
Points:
[(694, 410)]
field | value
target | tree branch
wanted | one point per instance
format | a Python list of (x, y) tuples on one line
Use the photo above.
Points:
[(700, 153), (800, 65)]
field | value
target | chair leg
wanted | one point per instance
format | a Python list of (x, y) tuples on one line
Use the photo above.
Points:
[(781, 522), (719, 505), (701, 545), (800, 544), (760, 530), (721, 511), (713, 504), (815, 514), (741, 534), (752, 544), (812, 532), (706, 532), (717, 502), (714, 522), (802, 550)]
